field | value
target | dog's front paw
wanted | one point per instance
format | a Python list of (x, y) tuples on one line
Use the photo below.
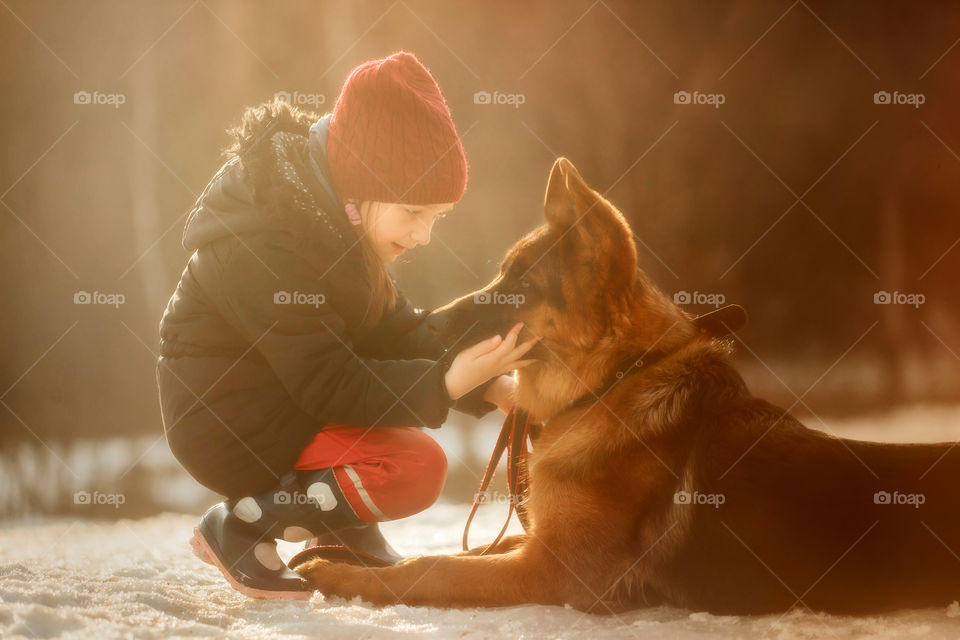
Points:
[(321, 574), (339, 579)]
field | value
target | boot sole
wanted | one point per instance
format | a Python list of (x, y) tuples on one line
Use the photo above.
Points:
[(201, 549)]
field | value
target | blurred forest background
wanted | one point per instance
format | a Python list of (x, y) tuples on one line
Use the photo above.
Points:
[(802, 197)]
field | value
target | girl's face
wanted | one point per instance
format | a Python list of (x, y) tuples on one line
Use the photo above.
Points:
[(393, 228)]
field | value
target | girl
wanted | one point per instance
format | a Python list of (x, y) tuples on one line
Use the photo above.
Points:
[(293, 375)]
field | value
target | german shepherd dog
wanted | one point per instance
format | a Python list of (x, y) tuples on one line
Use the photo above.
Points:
[(671, 484)]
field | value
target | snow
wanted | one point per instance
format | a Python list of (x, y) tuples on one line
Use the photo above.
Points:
[(112, 579), (78, 578)]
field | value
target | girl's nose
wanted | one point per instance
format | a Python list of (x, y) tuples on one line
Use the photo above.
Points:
[(421, 233)]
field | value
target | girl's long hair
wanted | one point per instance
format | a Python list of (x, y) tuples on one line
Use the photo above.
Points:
[(259, 123)]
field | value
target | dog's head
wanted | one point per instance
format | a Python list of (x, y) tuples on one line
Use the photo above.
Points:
[(573, 281)]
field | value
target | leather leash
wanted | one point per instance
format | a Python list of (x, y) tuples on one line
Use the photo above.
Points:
[(512, 441)]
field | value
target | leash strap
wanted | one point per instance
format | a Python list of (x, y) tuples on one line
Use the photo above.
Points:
[(517, 454), (513, 440)]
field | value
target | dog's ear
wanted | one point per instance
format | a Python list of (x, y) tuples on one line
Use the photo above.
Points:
[(599, 230), (569, 199), (558, 203)]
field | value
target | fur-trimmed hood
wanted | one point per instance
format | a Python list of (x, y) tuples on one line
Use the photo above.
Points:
[(276, 177)]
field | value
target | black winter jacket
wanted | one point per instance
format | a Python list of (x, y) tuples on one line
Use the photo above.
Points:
[(261, 344)]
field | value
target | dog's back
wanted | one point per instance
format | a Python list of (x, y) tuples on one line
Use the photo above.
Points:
[(785, 515)]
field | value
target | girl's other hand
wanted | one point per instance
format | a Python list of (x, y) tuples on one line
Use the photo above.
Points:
[(501, 392)]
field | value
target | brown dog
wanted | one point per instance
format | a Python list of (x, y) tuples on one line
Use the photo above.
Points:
[(668, 482)]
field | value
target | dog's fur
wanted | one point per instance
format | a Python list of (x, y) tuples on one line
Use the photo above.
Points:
[(799, 524)]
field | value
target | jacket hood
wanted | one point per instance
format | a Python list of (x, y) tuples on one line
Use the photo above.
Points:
[(228, 205), (225, 207)]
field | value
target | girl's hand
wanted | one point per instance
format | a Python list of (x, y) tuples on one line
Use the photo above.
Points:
[(501, 392), (493, 357)]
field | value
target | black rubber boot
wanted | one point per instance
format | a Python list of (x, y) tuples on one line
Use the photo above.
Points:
[(238, 536), (305, 505), (246, 557), (368, 539)]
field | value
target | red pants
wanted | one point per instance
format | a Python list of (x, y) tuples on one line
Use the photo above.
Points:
[(385, 473)]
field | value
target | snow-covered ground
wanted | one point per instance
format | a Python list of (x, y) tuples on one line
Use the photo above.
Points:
[(69, 578), (138, 578)]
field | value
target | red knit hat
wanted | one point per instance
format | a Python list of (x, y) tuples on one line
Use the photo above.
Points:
[(392, 138)]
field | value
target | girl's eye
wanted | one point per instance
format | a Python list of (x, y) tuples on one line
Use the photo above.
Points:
[(417, 213)]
